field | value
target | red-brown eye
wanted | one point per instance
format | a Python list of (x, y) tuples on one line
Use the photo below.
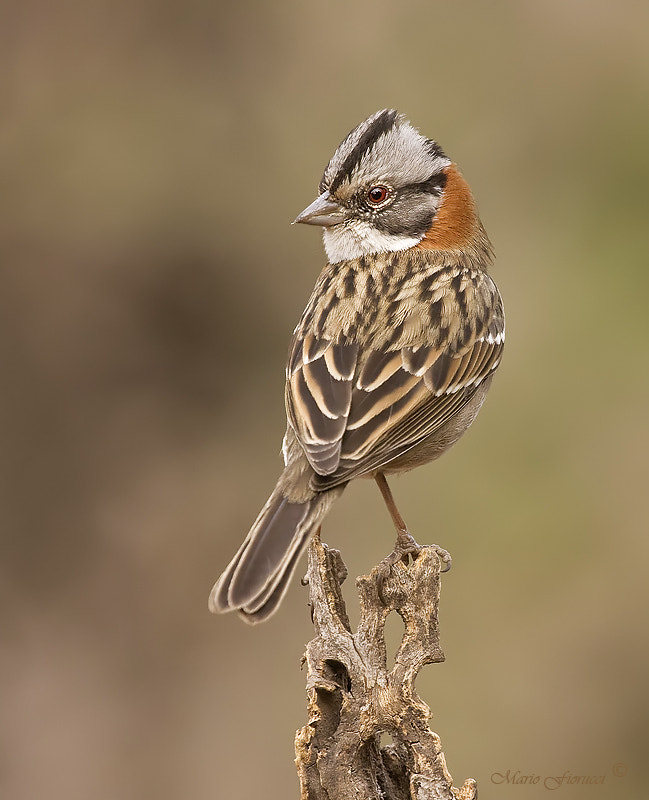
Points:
[(377, 195)]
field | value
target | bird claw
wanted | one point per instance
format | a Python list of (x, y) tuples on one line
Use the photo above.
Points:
[(406, 546), (444, 557)]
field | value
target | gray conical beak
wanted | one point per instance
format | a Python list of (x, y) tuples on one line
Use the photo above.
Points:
[(323, 211)]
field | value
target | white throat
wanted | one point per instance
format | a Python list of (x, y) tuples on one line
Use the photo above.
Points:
[(351, 240)]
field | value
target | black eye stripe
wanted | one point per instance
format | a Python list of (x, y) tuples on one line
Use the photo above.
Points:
[(412, 210), (434, 185)]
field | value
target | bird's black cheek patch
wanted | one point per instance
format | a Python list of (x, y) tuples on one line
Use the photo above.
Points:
[(407, 216)]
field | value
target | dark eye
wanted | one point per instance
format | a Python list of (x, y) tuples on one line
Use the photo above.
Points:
[(377, 195)]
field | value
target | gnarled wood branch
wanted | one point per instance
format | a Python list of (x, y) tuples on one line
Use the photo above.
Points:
[(354, 700)]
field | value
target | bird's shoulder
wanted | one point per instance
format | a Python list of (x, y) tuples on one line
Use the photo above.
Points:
[(370, 349), (388, 301)]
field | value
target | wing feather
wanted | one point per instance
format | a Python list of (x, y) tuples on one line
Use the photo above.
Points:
[(313, 348), (318, 397), (354, 410), (358, 442), (331, 394), (367, 404), (412, 429), (341, 360), (377, 369)]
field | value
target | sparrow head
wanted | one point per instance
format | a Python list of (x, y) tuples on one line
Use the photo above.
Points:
[(385, 189)]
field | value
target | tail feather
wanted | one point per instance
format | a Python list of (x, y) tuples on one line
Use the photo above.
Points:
[(270, 542), (271, 599), (257, 577), (282, 573)]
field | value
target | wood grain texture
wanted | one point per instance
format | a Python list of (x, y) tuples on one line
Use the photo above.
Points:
[(354, 700)]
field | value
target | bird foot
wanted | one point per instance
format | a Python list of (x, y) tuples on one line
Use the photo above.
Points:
[(406, 546), (444, 557)]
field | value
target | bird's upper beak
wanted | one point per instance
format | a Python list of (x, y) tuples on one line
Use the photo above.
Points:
[(322, 211)]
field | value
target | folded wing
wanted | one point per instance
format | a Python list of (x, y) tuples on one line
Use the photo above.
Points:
[(354, 411)]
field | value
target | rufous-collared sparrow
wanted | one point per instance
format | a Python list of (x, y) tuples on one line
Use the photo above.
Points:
[(393, 355)]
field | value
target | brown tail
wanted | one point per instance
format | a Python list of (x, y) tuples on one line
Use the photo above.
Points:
[(255, 581)]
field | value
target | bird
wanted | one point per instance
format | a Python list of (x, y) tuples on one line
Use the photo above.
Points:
[(394, 352)]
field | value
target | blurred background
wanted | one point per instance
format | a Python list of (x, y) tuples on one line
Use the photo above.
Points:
[(153, 155)]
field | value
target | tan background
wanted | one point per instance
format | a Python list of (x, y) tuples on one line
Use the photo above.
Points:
[(153, 155)]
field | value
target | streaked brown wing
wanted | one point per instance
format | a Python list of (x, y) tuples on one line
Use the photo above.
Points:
[(318, 397), (408, 410), (354, 410)]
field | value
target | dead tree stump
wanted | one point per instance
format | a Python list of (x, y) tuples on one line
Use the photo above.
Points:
[(353, 700)]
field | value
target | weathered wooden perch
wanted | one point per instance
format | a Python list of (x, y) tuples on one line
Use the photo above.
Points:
[(352, 697)]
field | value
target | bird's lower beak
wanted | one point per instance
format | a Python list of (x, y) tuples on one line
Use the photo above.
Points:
[(323, 211)]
